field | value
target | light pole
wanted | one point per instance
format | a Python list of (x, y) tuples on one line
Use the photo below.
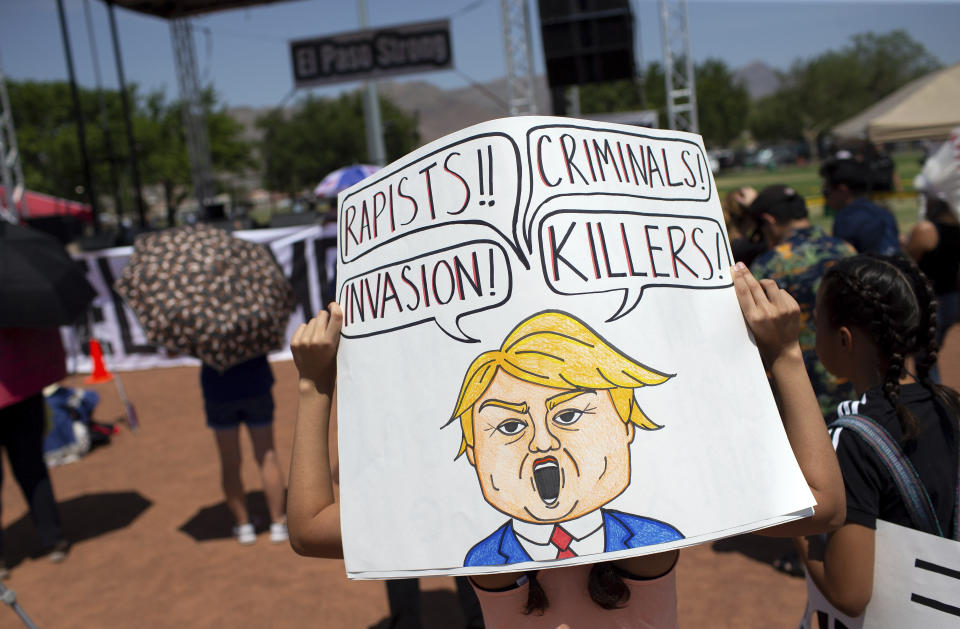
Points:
[(376, 152)]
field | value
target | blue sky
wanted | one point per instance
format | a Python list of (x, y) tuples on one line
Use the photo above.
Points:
[(244, 52)]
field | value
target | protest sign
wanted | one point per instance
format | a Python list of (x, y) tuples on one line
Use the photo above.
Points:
[(540, 329), (915, 584)]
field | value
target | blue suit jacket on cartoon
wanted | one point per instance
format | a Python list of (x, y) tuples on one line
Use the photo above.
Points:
[(621, 531)]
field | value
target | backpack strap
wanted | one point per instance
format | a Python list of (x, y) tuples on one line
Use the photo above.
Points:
[(905, 477), (956, 507)]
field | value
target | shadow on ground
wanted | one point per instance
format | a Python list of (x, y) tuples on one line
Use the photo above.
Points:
[(216, 522), (84, 518), (756, 547), (440, 609)]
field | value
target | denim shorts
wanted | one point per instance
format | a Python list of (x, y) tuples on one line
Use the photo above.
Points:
[(255, 411)]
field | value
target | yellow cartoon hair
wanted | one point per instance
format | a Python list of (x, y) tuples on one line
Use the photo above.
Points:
[(554, 349)]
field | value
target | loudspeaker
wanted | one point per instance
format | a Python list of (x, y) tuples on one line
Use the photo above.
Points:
[(215, 211), (587, 41)]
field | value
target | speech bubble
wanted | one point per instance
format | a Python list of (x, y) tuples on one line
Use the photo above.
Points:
[(442, 285), (475, 180), (600, 251), (568, 159)]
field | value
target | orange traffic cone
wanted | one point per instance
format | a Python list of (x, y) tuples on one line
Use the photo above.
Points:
[(100, 373)]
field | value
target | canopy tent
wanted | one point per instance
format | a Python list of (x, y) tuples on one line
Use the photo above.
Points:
[(924, 109), (41, 205)]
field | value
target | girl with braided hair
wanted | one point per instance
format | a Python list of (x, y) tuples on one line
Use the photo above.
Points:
[(874, 317)]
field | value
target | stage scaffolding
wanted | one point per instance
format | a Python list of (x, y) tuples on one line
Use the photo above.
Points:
[(194, 119), (521, 97), (11, 173), (678, 67)]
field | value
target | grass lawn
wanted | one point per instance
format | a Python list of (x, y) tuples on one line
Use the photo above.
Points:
[(261, 215)]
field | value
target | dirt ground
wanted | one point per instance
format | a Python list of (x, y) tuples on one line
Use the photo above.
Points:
[(152, 546)]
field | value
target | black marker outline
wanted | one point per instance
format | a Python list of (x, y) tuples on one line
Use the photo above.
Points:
[(935, 604), (622, 311), (937, 568), (529, 218), (513, 243), (456, 321)]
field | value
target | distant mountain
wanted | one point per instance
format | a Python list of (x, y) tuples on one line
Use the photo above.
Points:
[(759, 79), (445, 111), (247, 116)]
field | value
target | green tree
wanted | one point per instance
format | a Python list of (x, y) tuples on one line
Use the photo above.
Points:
[(627, 94), (162, 149), (773, 118), (820, 92), (46, 134), (722, 103), (163, 146), (47, 138), (319, 135)]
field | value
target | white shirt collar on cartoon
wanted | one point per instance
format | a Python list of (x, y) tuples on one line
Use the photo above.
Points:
[(587, 533)]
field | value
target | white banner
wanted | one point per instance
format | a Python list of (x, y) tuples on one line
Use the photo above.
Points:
[(307, 256)]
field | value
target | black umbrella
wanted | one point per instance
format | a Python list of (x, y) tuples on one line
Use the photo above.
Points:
[(40, 284)]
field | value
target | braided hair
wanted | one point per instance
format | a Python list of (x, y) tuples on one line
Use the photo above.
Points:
[(889, 299), (605, 586), (928, 347)]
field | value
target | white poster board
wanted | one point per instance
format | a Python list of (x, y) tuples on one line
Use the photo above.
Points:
[(551, 298), (916, 583)]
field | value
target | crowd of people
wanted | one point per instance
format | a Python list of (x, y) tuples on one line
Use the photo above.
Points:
[(848, 325)]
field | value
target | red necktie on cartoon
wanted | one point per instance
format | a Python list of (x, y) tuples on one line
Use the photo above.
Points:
[(561, 539)]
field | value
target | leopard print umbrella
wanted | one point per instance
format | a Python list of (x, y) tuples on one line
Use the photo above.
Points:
[(200, 291)]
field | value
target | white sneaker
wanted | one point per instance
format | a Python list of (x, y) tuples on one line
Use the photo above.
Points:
[(278, 533), (245, 534)]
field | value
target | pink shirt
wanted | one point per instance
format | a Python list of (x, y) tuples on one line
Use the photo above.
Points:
[(30, 359), (652, 604)]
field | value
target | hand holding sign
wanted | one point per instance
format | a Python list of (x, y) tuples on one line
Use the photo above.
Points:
[(314, 347), (771, 312)]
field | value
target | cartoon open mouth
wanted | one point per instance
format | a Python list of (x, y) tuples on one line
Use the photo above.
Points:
[(546, 476)]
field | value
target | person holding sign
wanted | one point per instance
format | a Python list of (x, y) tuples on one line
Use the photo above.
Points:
[(799, 255), (872, 314), (633, 590)]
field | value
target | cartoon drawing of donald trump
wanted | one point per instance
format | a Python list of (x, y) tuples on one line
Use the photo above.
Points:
[(547, 421)]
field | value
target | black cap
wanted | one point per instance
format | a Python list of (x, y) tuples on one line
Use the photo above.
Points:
[(781, 202), (847, 171)]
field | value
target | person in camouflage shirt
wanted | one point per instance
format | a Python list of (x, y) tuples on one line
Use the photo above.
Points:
[(799, 255)]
